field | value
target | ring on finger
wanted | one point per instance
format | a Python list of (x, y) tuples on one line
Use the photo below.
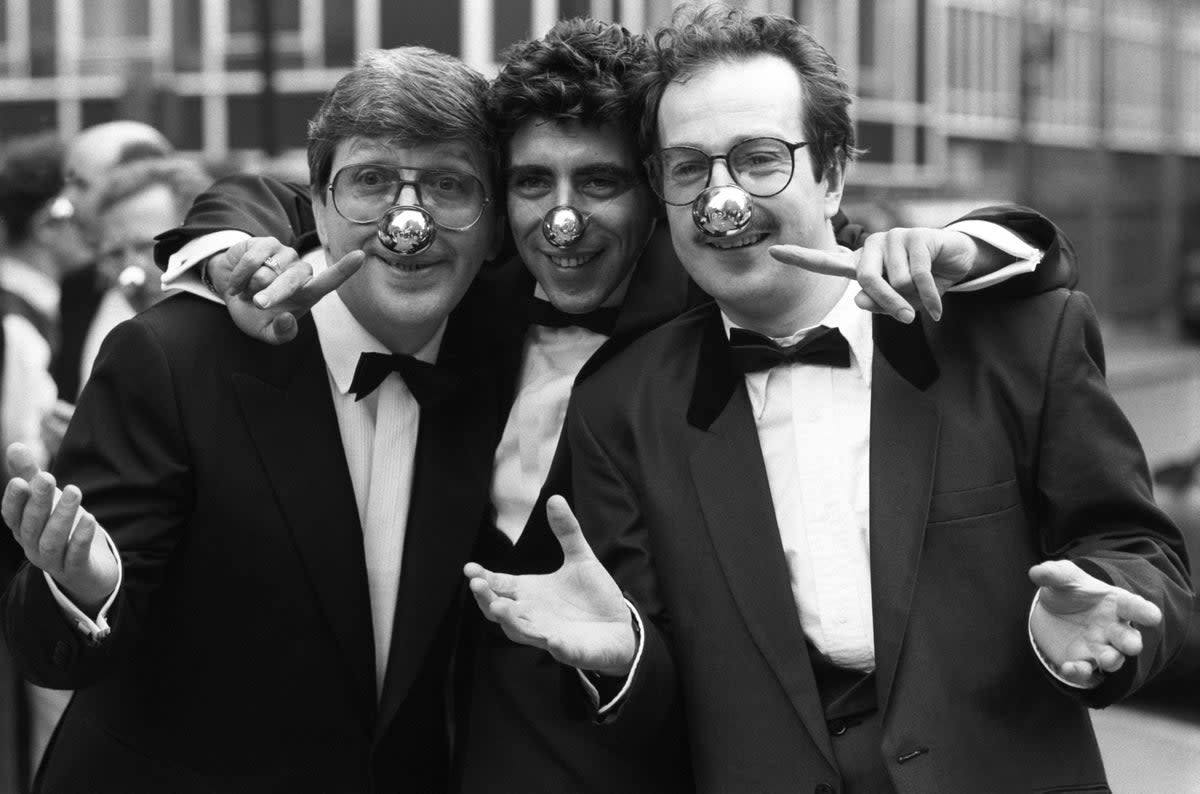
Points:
[(272, 264)]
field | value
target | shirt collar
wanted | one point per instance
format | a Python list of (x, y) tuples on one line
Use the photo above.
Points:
[(853, 322), (342, 337)]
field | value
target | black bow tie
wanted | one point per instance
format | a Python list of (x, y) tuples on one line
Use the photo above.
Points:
[(427, 382), (600, 321), (754, 352)]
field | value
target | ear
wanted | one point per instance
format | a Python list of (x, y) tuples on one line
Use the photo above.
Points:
[(835, 182)]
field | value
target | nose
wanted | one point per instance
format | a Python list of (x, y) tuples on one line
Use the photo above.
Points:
[(720, 175), (409, 195)]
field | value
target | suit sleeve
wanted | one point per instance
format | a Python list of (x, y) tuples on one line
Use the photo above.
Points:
[(257, 205), (1057, 269), (1095, 500), (125, 451), (608, 511)]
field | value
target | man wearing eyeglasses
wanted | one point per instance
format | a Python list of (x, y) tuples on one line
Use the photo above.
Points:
[(263, 595), (822, 527)]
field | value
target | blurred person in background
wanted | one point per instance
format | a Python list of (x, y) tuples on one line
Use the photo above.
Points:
[(88, 156), (32, 229), (30, 178), (135, 202)]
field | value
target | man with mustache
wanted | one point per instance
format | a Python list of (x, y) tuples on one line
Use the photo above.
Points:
[(819, 526)]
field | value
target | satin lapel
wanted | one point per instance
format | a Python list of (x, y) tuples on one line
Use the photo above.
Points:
[(449, 500), (731, 484), (290, 417), (904, 440)]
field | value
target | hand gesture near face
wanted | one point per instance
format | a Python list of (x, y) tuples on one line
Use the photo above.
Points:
[(267, 286)]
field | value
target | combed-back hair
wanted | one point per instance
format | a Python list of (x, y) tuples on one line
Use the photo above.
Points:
[(31, 174), (697, 39), (579, 71), (410, 95), (185, 178)]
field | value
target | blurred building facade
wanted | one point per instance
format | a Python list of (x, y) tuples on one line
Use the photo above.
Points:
[(1087, 109)]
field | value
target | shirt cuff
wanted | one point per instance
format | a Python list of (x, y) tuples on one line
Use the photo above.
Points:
[(590, 688), (94, 630), (182, 273), (1025, 255), (1046, 662)]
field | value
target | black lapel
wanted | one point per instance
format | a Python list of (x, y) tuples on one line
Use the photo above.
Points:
[(449, 501), (904, 439), (735, 497), (290, 417)]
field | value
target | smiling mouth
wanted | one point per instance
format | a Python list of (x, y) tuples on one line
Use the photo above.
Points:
[(731, 243), (570, 262), (406, 265)]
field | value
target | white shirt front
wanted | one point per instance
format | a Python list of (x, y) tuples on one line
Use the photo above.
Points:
[(814, 430), (379, 436), (113, 310), (553, 358)]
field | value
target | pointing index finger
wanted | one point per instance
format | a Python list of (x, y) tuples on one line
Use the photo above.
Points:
[(829, 263)]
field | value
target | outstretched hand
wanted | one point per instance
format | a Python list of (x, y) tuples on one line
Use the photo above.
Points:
[(901, 271), (1083, 626), (43, 520), (266, 301), (577, 613)]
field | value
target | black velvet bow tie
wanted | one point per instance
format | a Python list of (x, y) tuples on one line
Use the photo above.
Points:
[(600, 321), (427, 382), (754, 352)]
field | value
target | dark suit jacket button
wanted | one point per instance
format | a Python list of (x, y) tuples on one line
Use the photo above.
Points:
[(824, 788), (837, 727)]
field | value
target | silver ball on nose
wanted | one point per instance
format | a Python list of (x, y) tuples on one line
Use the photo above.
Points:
[(722, 211), (563, 226), (406, 230)]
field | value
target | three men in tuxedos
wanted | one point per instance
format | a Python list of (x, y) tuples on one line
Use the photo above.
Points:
[(822, 528), (564, 116), (263, 595)]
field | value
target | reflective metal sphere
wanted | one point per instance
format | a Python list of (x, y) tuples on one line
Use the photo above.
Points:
[(722, 211), (407, 230), (563, 226)]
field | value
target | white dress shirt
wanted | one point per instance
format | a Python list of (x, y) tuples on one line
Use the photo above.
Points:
[(553, 358), (814, 430), (379, 435), (39, 290)]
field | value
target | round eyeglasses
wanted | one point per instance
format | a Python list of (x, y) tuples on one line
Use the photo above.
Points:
[(364, 193), (762, 167)]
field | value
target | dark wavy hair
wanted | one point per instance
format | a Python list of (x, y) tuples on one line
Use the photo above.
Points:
[(696, 39), (579, 71), (411, 94), (31, 174)]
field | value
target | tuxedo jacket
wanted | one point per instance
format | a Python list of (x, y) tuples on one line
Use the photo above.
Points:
[(516, 720), (512, 731), (241, 655), (994, 445)]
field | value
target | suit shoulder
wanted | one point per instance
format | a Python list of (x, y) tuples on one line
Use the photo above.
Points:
[(668, 351)]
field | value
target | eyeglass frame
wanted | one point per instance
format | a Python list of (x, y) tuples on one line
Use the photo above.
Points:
[(655, 185), (487, 199)]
